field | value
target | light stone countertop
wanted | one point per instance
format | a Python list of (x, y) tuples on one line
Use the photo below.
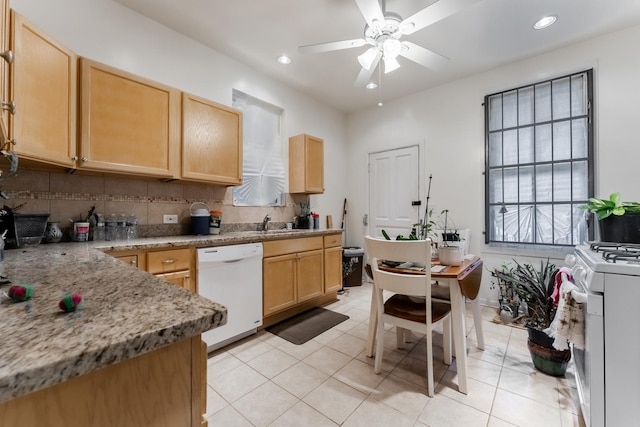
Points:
[(125, 311)]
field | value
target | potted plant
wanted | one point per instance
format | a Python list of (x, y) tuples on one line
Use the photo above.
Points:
[(534, 287), (618, 221)]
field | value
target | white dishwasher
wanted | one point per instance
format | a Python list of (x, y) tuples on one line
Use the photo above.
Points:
[(232, 276)]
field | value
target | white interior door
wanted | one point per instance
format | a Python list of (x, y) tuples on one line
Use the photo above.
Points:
[(393, 185)]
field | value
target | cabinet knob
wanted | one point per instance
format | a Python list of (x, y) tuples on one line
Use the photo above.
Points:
[(7, 55), (10, 106), (84, 159), (74, 158)]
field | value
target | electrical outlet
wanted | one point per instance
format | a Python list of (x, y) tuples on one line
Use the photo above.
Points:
[(170, 219)]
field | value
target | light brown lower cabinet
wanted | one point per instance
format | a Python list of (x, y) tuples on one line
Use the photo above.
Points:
[(172, 265), (333, 263), (298, 274), (157, 389)]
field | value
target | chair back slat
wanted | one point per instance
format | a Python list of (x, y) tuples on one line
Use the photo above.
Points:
[(416, 251)]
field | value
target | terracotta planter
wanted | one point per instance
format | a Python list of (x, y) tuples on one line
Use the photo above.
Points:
[(545, 358)]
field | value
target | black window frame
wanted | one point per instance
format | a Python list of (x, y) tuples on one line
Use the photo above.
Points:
[(590, 159)]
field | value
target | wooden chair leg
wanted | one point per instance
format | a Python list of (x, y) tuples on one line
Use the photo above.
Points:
[(377, 366), (446, 340), (401, 335), (429, 340)]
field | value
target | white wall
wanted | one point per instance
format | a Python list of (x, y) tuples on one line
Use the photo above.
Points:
[(108, 32), (450, 119)]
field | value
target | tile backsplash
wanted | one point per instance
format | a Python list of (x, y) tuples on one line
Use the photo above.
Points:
[(69, 196)]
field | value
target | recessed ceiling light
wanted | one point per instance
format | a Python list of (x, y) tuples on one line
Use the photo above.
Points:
[(545, 22), (371, 85), (283, 59)]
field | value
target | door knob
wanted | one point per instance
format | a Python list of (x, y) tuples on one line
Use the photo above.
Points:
[(7, 55), (11, 106)]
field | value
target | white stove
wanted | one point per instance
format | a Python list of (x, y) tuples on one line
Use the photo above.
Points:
[(607, 369)]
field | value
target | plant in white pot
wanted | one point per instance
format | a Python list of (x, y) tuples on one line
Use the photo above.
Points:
[(450, 253)]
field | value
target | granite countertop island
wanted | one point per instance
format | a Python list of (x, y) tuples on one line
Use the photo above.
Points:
[(125, 312)]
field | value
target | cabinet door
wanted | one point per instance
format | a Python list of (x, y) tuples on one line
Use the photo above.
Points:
[(309, 275), (169, 261), (179, 278), (43, 86), (279, 283), (332, 269), (211, 142), (306, 164), (128, 124)]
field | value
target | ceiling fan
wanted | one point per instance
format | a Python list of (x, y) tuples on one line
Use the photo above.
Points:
[(383, 34)]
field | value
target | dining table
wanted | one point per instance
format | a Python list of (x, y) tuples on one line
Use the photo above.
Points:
[(459, 282)]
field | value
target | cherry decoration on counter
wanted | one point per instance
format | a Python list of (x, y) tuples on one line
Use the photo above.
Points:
[(20, 292), (70, 302)]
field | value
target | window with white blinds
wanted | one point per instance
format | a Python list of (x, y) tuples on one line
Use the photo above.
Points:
[(539, 162), (263, 176)]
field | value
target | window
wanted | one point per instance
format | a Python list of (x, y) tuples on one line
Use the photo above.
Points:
[(539, 162), (263, 176)]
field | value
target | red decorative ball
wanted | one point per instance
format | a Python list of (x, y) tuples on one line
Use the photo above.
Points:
[(20, 292), (70, 302)]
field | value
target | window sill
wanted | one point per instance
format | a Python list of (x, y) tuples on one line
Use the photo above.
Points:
[(557, 253)]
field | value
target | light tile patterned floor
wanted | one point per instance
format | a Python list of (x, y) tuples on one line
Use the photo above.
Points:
[(264, 380)]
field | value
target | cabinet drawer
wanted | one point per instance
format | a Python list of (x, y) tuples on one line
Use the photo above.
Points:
[(333, 240), (290, 246), (168, 261)]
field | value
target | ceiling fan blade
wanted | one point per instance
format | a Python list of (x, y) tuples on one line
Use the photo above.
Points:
[(326, 47), (433, 13), (365, 75), (370, 10), (422, 56)]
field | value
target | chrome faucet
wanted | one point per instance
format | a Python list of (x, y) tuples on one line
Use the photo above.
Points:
[(265, 222)]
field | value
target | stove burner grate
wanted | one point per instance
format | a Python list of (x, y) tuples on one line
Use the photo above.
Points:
[(612, 252)]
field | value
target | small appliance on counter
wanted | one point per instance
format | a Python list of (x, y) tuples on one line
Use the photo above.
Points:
[(22, 229), (200, 219)]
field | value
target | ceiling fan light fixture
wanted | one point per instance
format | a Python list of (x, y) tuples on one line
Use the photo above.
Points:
[(367, 59), (544, 22), (391, 48), (283, 59), (390, 64)]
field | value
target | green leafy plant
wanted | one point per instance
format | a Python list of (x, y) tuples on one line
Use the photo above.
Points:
[(611, 206), (532, 286)]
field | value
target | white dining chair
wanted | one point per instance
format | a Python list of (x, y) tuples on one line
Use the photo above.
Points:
[(410, 307)]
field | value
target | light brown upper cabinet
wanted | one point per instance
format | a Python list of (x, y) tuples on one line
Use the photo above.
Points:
[(128, 124), (211, 142), (44, 88), (306, 164)]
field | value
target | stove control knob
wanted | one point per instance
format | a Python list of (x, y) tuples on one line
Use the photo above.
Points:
[(570, 260), (579, 274)]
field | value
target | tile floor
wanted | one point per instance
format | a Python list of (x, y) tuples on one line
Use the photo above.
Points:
[(264, 380)]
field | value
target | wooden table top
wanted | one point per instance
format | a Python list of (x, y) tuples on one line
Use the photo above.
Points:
[(468, 274)]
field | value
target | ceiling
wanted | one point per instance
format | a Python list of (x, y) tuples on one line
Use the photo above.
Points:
[(484, 35)]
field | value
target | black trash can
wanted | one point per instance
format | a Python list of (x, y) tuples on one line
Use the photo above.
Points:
[(352, 266)]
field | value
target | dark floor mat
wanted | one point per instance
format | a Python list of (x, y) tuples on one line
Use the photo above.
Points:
[(305, 326)]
